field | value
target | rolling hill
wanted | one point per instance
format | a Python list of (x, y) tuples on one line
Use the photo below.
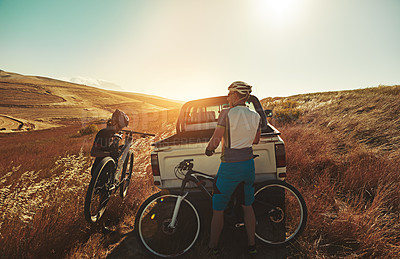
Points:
[(32, 102), (343, 155), (369, 116)]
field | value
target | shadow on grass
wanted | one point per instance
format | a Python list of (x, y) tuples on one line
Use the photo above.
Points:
[(233, 243)]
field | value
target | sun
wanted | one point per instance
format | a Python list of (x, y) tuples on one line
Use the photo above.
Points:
[(277, 12)]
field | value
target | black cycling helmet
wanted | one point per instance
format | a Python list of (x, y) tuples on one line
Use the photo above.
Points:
[(120, 118)]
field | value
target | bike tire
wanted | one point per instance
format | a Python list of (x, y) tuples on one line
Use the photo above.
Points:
[(151, 226), (281, 213), (98, 193), (126, 174)]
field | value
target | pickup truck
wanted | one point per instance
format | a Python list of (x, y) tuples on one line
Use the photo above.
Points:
[(195, 126)]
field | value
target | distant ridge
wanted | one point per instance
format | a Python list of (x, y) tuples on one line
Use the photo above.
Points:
[(43, 102), (99, 83)]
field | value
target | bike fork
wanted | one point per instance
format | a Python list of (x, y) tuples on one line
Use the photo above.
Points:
[(172, 224)]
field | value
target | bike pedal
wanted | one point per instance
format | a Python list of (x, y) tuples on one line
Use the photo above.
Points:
[(239, 225)]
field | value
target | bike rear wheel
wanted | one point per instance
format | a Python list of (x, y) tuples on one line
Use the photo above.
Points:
[(126, 174), (152, 225), (281, 213), (99, 193)]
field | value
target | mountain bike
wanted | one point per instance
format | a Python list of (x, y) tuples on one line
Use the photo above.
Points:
[(110, 175), (168, 224)]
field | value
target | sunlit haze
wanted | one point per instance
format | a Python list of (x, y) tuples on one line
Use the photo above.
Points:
[(191, 49)]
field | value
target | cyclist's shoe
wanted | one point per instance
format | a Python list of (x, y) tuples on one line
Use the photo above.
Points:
[(252, 250), (213, 252)]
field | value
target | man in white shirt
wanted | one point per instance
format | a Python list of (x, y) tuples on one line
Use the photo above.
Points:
[(238, 128)]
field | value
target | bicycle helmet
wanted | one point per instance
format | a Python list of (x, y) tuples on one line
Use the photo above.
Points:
[(240, 87), (121, 118)]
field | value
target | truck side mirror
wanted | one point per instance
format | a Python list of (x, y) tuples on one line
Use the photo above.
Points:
[(268, 113)]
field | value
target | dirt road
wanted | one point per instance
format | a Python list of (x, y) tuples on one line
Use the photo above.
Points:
[(8, 124)]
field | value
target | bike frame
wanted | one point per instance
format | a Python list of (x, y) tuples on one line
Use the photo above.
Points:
[(191, 176), (125, 151), (121, 159)]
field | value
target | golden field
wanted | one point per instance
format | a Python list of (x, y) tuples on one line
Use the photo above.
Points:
[(342, 154)]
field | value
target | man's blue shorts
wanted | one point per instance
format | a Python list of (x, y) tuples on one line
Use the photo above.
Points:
[(229, 176)]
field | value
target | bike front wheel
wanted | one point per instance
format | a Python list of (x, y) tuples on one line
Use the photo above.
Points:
[(126, 174), (153, 228), (281, 213), (99, 193)]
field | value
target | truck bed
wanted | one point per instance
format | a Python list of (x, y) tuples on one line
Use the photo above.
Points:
[(186, 137)]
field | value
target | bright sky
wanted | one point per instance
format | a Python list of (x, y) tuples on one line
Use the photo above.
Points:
[(190, 49)]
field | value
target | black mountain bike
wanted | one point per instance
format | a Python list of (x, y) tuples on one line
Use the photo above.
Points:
[(168, 224), (110, 175)]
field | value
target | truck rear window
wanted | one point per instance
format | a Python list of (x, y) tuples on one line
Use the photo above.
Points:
[(204, 114)]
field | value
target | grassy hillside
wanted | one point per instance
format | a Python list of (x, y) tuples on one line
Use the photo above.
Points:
[(368, 116), (343, 154), (39, 103)]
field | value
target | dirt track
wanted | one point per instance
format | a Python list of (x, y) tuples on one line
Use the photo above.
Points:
[(8, 124)]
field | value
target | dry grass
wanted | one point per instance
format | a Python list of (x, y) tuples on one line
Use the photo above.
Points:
[(42, 199), (369, 116), (39, 150), (352, 198), (343, 155), (41, 186)]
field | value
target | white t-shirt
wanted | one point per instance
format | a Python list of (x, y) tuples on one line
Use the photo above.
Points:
[(241, 125)]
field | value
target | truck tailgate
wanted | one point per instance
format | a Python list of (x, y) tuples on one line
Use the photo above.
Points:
[(171, 156)]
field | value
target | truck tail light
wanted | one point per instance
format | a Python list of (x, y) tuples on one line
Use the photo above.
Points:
[(154, 165), (280, 155), (282, 175)]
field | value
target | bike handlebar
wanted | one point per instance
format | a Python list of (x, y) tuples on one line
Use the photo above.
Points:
[(140, 133)]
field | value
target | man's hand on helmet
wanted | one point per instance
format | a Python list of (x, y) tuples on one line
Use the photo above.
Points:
[(209, 152)]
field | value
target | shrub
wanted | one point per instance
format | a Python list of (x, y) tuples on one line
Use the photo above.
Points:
[(287, 114), (284, 110), (88, 130)]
